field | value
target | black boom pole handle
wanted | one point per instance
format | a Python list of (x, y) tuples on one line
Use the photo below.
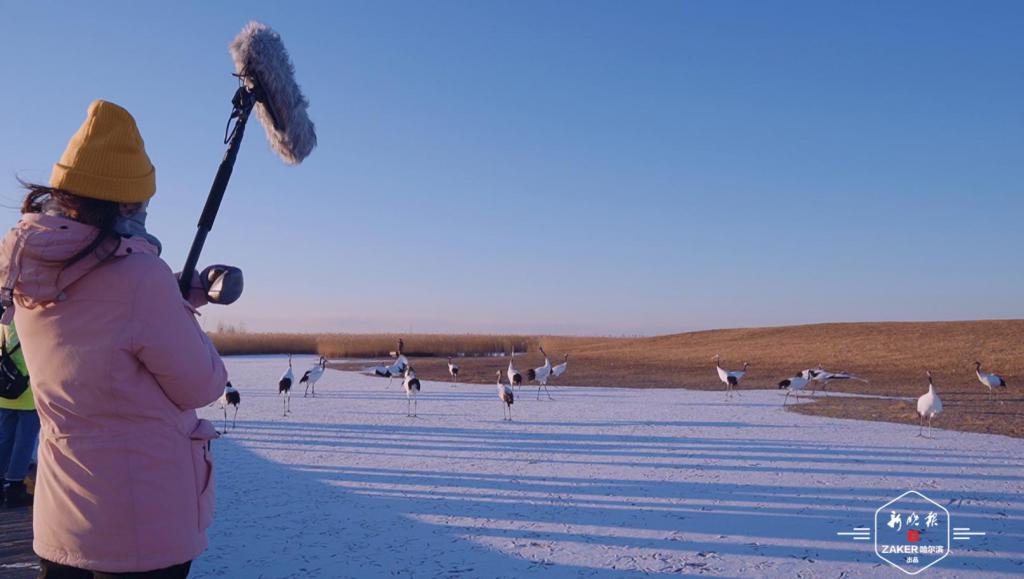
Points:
[(243, 101)]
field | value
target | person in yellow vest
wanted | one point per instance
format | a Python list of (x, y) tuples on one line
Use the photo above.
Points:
[(19, 428)]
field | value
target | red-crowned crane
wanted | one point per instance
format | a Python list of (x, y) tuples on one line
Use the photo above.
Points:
[(928, 406), (541, 375), (230, 397), (284, 387), (730, 379), (993, 381), (453, 369), (795, 383), (313, 375), (506, 396), (514, 377), (412, 388), (560, 369), (823, 377), (397, 368)]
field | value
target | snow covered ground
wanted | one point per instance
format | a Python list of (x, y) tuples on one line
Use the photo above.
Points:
[(596, 483)]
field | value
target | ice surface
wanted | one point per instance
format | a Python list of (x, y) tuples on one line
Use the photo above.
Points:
[(597, 483)]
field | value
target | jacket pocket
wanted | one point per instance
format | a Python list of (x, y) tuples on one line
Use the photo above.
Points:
[(202, 462)]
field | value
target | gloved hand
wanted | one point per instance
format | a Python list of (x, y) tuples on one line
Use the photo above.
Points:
[(222, 284), (217, 284), (196, 293)]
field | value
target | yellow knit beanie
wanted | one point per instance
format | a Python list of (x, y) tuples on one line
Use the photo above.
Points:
[(106, 159)]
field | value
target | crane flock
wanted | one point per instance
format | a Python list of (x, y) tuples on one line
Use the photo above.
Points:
[(400, 367), (929, 405)]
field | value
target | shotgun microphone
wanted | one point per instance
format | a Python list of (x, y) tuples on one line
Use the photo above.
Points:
[(262, 63), (267, 83)]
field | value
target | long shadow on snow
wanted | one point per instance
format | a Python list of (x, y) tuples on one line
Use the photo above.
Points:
[(802, 447), (808, 514), (382, 437), (308, 527)]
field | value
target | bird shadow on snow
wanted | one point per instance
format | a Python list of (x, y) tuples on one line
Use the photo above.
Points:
[(334, 520)]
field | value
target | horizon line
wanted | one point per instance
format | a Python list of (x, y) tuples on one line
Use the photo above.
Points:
[(231, 329)]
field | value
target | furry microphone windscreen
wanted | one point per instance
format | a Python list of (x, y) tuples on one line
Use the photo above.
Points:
[(260, 58)]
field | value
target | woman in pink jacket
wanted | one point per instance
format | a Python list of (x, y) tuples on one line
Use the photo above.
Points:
[(118, 365)]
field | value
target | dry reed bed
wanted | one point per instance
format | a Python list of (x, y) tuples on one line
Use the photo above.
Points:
[(368, 345), (244, 343)]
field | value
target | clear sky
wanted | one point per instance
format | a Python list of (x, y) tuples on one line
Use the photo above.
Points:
[(567, 167)]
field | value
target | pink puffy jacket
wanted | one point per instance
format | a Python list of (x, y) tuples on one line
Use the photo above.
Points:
[(118, 365)]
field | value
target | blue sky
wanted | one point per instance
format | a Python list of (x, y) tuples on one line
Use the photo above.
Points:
[(567, 167)]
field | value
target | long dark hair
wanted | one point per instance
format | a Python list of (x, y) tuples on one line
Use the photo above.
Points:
[(102, 215)]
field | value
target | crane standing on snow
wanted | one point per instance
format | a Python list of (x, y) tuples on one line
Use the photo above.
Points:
[(795, 383), (412, 389), (514, 377), (230, 397), (506, 396), (731, 379), (284, 387), (540, 375), (313, 375), (928, 406)]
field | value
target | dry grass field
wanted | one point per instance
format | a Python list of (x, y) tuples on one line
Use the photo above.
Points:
[(892, 355)]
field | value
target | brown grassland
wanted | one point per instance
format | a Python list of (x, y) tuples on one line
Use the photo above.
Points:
[(892, 355)]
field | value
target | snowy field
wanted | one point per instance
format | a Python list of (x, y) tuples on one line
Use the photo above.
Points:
[(596, 483)]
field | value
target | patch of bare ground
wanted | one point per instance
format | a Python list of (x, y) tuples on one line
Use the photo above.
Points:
[(965, 409)]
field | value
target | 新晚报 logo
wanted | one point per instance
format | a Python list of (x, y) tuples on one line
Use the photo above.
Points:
[(912, 532)]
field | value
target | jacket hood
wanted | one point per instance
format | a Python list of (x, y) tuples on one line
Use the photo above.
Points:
[(34, 252)]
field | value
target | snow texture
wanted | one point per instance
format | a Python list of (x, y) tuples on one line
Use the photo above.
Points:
[(599, 482)]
